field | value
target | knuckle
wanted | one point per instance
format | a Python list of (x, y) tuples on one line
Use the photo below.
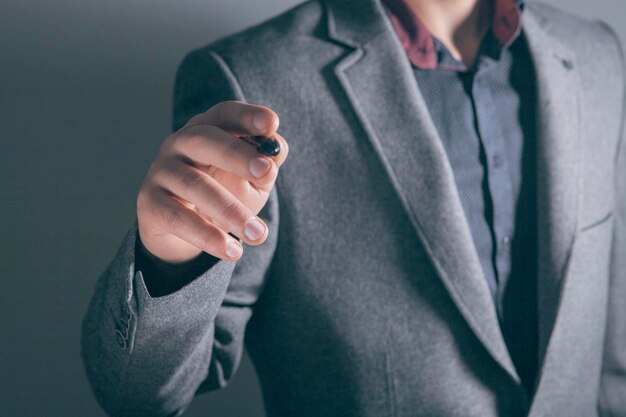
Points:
[(191, 181), (195, 119), (244, 114), (173, 218), (168, 144), (229, 113), (231, 150), (146, 201), (233, 211), (190, 138), (218, 107), (232, 105), (156, 172), (222, 110), (193, 138), (217, 111), (141, 199)]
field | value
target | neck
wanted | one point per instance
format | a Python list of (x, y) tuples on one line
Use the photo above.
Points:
[(459, 24)]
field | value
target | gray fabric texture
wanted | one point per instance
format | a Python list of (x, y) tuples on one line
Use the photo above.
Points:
[(368, 298)]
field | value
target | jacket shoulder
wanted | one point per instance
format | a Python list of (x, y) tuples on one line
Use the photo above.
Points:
[(216, 72), (589, 38), (279, 33)]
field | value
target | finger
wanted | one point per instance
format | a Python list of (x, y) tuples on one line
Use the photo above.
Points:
[(213, 201), (239, 118), (206, 145), (184, 223)]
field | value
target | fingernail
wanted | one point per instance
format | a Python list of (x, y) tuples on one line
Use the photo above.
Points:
[(261, 122), (253, 229), (259, 167), (233, 249)]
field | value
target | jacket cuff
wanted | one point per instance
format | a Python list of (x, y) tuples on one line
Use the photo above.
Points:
[(136, 312), (163, 278)]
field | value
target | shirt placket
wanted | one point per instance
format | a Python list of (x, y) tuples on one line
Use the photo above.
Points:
[(494, 144)]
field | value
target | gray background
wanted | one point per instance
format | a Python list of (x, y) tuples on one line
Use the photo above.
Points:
[(85, 100)]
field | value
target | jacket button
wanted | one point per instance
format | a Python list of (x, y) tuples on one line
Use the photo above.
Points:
[(119, 338), (567, 64)]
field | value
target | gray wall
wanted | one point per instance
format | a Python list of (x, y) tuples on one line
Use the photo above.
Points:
[(85, 100)]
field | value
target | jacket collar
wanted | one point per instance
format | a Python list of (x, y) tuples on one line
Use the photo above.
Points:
[(419, 44)]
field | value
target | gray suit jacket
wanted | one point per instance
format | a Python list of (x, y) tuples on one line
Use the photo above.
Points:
[(368, 298)]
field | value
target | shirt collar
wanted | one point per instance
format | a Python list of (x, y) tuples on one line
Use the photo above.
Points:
[(421, 47)]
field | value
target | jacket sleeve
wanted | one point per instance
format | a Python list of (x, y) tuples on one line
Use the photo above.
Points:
[(163, 278), (612, 396), (150, 356)]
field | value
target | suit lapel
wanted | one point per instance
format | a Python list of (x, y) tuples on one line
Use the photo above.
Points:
[(558, 166), (379, 82)]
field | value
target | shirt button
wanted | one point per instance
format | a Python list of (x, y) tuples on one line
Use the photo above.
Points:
[(505, 240), (497, 161)]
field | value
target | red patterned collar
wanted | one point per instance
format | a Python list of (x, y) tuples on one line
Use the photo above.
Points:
[(419, 44)]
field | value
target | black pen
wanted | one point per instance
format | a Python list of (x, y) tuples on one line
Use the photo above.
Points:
[(264, 145)]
